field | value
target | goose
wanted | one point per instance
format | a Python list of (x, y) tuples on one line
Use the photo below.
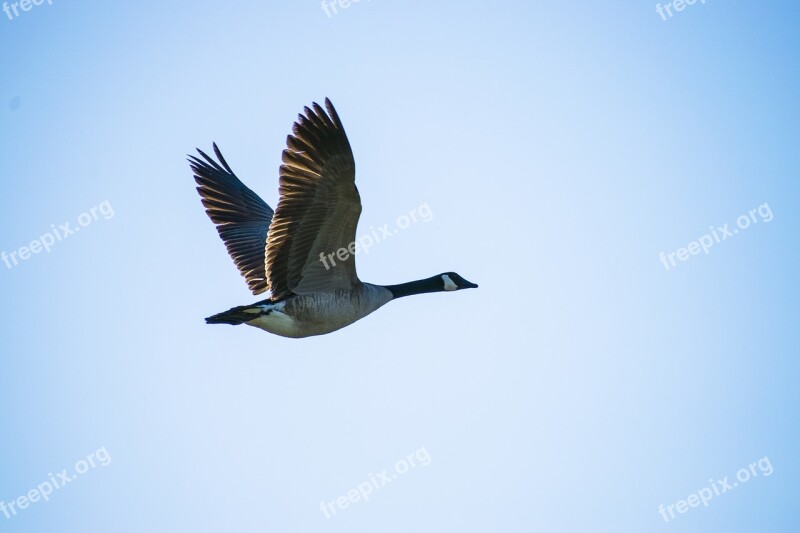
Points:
[(282, 251)]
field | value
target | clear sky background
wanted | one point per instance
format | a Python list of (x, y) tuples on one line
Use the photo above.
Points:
[(561, 147)]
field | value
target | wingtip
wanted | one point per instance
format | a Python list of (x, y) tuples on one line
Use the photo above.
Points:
[(318, 110), (333, 114)]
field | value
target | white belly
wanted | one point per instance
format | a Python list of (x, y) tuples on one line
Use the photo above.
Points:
[(318, 314), (276, 321)]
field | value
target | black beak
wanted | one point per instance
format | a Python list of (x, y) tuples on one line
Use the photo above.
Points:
[(469, 285)]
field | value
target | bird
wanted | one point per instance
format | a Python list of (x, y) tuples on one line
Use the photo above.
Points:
[(282, 250)]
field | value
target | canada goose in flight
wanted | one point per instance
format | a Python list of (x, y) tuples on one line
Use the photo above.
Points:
[(280, 251)]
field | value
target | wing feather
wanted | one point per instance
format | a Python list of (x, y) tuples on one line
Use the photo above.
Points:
[(242, 218), (318, 209)]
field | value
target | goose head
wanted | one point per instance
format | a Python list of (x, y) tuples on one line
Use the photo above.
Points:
[(454, 282)]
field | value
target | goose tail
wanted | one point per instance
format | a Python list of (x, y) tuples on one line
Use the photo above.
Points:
[(235, 316)]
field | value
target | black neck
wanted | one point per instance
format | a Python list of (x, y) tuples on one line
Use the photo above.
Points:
[(421, 286)]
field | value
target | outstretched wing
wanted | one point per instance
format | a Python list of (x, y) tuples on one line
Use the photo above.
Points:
[(241, 217), (318, 208)]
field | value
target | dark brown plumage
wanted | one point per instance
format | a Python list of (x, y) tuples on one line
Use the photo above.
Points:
[(241, 217), (318, 209)]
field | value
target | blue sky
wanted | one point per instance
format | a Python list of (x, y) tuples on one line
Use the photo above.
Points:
[(561, 148)]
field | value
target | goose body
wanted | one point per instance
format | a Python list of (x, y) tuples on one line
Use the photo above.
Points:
[(280, 251), (305, 315)]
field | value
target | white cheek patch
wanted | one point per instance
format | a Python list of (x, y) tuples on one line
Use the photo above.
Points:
[(449, 285)]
